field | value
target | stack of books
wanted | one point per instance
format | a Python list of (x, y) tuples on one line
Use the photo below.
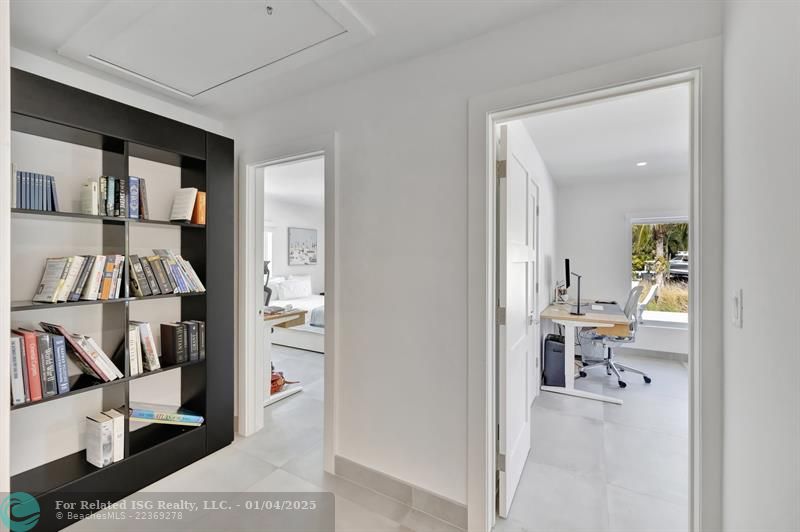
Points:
[(87, 277), (189, 205), (162, 273), (35, 192), (39, 362), (105, 438), (166, 414), (119, 197)]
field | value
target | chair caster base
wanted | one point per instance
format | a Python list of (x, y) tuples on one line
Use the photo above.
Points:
[(582, 374), (622, 384), (647, 379)]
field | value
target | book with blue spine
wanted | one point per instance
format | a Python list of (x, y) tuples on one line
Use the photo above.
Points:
[(133, 197), (39, 192), (167, 414), (110, 195), (48, 192), (18, 191), (60, 356)]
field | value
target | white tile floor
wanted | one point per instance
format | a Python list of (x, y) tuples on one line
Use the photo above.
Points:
[(593, 467), (602, 467), (286, 456)]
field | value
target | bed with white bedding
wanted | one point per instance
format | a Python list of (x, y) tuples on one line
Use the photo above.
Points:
[(296, 292)]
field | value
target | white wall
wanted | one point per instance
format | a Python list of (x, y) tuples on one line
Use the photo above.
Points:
[(594, 232), (402, 213), (762, 224), (5, 255), (594, 229), (278, 217)]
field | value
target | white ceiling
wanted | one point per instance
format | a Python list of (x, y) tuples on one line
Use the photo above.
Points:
[(228, 58), (602, 141), (300, 183)]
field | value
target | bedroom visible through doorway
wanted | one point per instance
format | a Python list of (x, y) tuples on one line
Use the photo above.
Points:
[(294, 277)]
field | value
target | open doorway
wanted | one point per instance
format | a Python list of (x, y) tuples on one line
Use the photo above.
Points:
[(287, 306), (609, 433), (294, 278)]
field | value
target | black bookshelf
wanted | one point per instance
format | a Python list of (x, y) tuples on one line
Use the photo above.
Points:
[(52, 110)]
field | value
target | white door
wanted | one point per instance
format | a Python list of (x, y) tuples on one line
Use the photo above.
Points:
[(516, 270)]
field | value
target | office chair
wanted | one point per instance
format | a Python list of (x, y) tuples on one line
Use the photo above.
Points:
[(646, 301), (608, 342)]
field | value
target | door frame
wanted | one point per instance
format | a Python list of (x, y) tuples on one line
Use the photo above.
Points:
[(700, 65), (250, 373)]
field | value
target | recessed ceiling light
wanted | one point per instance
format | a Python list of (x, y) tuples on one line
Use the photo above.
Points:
[(643, 163)]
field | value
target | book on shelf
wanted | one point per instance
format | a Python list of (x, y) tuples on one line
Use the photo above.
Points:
[(121, 201), (89, 198), (16, 353), (94, 280), (144, 211), (99, 440), (167, 414), (47, 364), (183, 205), (149, 350), (117, 434), (139, 284), (199, 211), (102, 191), (110, 195), (31, 365), (34, 191), (150, 276), (134, 350), (53, 279), (86, 353), (133, 197), (60, 356), (173, 344)]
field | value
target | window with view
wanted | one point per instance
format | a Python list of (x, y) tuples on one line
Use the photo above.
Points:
[(660, 263)]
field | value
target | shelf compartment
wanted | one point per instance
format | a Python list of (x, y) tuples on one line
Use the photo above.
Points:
[(158, 434), (73, 470), (82, 384), (116, 220), (167, 368)]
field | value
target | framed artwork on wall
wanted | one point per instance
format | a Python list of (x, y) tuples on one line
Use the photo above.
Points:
[(302, 246)]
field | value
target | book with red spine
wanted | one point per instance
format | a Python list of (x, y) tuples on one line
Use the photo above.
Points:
[(32, 362)]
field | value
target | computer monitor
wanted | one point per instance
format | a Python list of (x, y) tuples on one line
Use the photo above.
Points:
[(566, 272)]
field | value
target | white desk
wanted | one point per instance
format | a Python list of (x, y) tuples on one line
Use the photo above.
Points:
[(613, 322)]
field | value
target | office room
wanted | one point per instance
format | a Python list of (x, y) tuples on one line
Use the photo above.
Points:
[(608, 186)]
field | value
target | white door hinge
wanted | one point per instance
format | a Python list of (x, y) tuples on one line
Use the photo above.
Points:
[(501, 462), (501, 315)]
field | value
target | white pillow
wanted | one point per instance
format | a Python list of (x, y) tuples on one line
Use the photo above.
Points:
[(294, 288)]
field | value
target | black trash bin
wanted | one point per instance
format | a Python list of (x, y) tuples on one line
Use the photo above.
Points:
[(554, 360)]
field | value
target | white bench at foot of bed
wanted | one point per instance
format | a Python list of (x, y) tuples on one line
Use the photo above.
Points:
[(300, 337)]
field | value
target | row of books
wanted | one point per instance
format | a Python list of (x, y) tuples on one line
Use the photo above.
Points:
[(181, 342), (115, 196), (39, 362), (34, 191), (99, 277), (86, 277), (163, 273), (165, 414), (105, 438)]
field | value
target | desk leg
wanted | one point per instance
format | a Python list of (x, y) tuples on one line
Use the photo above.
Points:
[(569, 372)]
